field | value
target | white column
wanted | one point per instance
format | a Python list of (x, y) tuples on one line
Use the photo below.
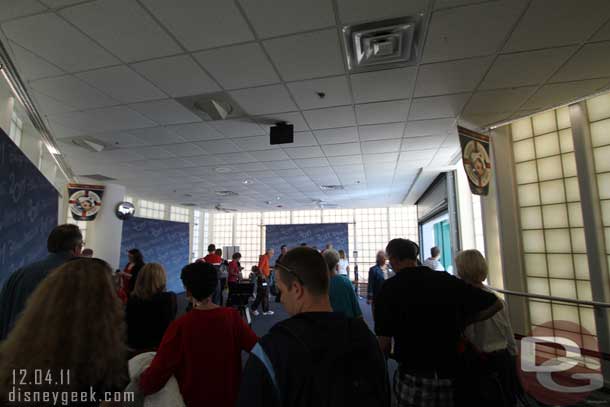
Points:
[(104, 234)]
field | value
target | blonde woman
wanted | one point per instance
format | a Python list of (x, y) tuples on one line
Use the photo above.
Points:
[(150, 309), (73, 331)]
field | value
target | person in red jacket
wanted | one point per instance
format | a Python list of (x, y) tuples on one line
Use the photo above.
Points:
[(202, 349), (212, 257), (262, 286)]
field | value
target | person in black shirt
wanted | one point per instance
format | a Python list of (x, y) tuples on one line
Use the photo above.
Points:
[(425, 312), (283, 251)]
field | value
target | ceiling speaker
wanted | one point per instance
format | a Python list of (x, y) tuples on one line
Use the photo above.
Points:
[(281, 133)]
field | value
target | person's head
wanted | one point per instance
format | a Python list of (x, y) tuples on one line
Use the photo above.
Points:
[(331, 257), (303, 244), (73, 320), (200, 281), (135, 256), (471, 266), (342, 254), (269, 252), (380, 258), (435, 252), (236, 256), (86, 253), (65, 238), (302, 279), (283, 249), (218, 252), (402, 253), (211, 248), (151, 280), (329, 246)]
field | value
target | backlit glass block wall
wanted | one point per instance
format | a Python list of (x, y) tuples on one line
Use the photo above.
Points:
[(551, 219), (248, 238)]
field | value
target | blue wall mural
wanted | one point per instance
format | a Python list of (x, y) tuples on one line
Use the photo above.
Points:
[(318, 235), (28, 209), (160, 241)]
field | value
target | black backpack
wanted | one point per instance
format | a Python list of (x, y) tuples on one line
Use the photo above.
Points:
[(352, 375)]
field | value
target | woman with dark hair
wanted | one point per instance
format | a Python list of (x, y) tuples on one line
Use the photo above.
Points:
[(202, 349), (234, 274), (130, 272), (76, 340)]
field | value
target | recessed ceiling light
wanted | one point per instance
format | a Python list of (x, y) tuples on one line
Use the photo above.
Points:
[(223, 170), (278, 198), (247, 181), (226, 193)]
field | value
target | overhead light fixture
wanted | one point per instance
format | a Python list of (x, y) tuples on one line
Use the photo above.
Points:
[(226, 193), (331, 187), (277, 198), (10, 84), (223, 170), (53, 150), (247, 181)]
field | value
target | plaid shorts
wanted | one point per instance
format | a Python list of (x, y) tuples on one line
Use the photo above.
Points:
[(416, 391)]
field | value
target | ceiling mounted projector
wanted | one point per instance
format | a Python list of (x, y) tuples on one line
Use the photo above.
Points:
[(281, 133)]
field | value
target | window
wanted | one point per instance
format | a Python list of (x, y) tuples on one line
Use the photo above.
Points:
[(313, 216), (179, 214), (154, 210), (248, 238), (128, 198), (196, 235), (16, 129), (206, 230), (477, 217), (403, 223), (276, 218), (223, 229), (371, 236)]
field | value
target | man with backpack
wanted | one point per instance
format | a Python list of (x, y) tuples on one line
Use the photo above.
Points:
[(316, 357)]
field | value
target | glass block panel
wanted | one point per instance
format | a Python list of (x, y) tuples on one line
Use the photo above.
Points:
[(544, 122), (579, 244), (566, 141), (603, 185), (581, 267), (563, 288), (531, 218), (599, 107), (600, 133), (602, 158), (528, 195), (538, 286), (535, 265), (575, 214), (533, 241), (605, 212), (563, 312), (563, 117), (547, 145), (560, 266), (552, 192), (584, 290), (572, 190), (555, 216), (540, 312), (569, 165), (557, 240), (587, 320), (526, 172), (521, 129), (549, 168), (524, 150)]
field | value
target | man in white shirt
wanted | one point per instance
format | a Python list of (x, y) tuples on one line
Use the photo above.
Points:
[(432, 261)]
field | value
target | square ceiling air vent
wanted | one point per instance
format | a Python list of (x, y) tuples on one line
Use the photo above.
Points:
[(381, 44)]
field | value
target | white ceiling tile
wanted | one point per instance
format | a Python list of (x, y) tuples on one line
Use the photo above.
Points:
[(456, 33), (48, 105), (157, 135), (270, 155), (166, 111), (238, 128), (382, 112), (318, 171), (184, 150), (451, 77), (151, 153), (73, 92), (122, 83), (347, 160), (294, 118), (592, 61), (562, 23), (336, 90), (18, 8), (196, 132), (255, 143), (381, 131), (419, 128), (31, 66), (603, 34), (117, 139), (480, 120), (102, 120), (236, 157), (494, 101), (177, 76), (383, 85), (407, 163), (337, 136), (422, 143), (272, 18), (291, 172), (59, 3), (303, 139), (418, 155), (439, 4), (264, 100), (121, 155), (304, 152), (330, 118), (343, 170), (351, 11), (385, 158), (58, 42), (525, 68), (134, 34), (332, 150), (218, 146), (437, 106), (381, 146), (307, 56), (200, 24), (227, 64), (561, 93)]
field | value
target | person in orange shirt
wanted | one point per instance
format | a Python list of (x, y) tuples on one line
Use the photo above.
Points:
[(262, 286)]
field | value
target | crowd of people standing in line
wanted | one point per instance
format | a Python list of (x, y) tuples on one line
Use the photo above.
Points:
[(64, 313)]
